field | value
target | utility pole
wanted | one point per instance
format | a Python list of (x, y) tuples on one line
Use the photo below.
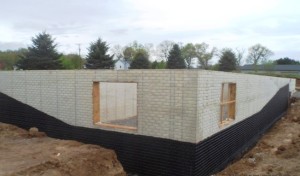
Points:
[(79, 49)]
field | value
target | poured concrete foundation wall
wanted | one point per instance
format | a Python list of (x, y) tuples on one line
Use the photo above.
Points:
[(182, 105), (166, 99), (146, 155), (253, 92), (118, 101)]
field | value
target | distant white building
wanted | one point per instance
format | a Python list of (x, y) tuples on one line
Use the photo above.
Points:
[(122, 65)]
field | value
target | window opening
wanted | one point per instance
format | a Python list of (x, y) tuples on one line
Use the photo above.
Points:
[(115, 105), (228, 102)]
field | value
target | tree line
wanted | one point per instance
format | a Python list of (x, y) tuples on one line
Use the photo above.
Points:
[(43, 55)]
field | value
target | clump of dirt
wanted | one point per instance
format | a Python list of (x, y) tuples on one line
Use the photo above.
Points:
[(277, 153), (33, 153)]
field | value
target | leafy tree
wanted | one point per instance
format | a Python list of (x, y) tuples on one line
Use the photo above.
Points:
[(154, 65), (175, 59), (42, 55), (258, 54), (9, 58), (158, 65), (148, 47), (143, 51), (286, 61), (203, 55), (97, 57), (227, 60), (268, 65), (188, 53), (140, 61), (134, 47), (129, 53), (239, 56), (162, 64), (72, 61), (214, 67), (163, 49)]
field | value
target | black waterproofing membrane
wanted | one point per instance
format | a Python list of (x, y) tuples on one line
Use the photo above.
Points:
[(153, 156)]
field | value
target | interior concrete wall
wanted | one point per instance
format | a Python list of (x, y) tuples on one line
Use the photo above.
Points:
[(117, 101)]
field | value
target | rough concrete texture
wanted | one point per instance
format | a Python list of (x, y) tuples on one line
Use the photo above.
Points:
[(118, 101), (182, 105)]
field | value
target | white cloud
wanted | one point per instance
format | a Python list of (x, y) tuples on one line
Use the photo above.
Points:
[(181, 15), (231, 23)]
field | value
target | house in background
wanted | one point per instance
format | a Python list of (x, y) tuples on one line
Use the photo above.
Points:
[(121, 64), (294, 69)]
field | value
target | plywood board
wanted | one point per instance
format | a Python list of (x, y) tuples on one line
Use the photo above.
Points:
[(96, 102)]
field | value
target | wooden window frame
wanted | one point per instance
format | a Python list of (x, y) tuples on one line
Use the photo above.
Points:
[(297, 84), (231, 103), (96, 110)]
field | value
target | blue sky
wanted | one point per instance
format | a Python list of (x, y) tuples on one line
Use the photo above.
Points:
[(232, 23)]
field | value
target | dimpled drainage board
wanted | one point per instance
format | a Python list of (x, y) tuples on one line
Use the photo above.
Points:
[(146, 155)]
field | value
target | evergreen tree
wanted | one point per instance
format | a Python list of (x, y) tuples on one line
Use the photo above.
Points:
[(97, 57), (42, 55), (175, 59), (286, 61), (227, 61), (140, 61)]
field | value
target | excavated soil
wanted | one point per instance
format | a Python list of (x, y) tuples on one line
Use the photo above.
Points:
[(32, 153), (278, 151)]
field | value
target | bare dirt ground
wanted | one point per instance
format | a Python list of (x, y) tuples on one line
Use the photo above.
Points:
[(278, 151), (33, 153)]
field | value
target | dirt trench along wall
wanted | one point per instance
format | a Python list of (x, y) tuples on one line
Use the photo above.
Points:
[(159, 122)]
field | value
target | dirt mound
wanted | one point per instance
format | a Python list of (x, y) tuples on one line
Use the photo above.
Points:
[(277, 153), (32, 153)]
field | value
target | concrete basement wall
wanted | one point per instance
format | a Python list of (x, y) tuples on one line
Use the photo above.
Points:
[(166, 99), (118, 101), (182, 105), (253, 92)]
